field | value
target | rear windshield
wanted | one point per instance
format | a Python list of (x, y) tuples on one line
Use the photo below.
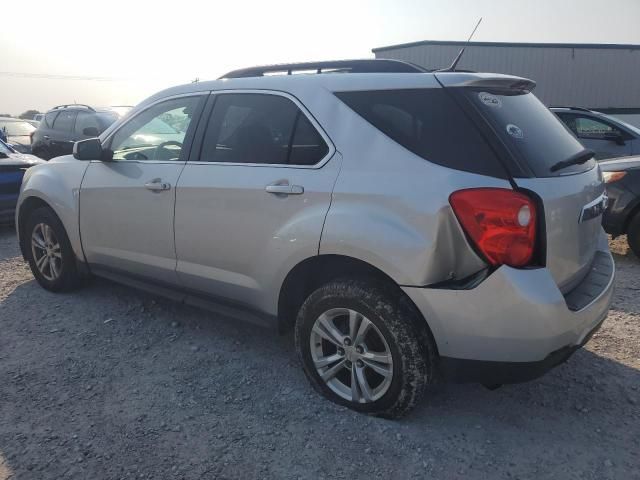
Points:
[(529, 130), (429, 123)]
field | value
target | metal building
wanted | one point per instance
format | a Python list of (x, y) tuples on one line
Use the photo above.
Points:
[(604, 77)]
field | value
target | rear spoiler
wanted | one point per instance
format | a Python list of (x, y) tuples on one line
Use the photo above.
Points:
[(485, 80)]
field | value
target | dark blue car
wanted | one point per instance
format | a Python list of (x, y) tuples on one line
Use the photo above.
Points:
[(12, 168)]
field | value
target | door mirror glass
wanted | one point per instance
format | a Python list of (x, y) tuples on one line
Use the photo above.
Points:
[(90, 149), (90, 132)]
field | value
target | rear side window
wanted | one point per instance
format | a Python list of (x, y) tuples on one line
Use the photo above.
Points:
[(49, 118), (260, 128), (429, 123), (64, 121), (529, 130)]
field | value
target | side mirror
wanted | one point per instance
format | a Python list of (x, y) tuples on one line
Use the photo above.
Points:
[(90, 149), (91, 132), (3, 155), (614, 137)]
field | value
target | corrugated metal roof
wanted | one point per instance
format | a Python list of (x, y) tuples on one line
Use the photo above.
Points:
[(599, 46)]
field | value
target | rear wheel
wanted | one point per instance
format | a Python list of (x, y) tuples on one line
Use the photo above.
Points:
[(49, 251), (633, 234), (364, 348)]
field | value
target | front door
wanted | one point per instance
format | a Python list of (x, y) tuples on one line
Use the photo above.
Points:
[(127, 204), (252, 200)]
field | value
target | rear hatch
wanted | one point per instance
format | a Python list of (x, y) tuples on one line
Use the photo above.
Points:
[(534, 147)]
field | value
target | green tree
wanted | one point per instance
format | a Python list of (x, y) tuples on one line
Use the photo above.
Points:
[(28, 115)]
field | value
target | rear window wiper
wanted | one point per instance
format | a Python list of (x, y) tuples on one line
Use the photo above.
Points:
[(581, 157)]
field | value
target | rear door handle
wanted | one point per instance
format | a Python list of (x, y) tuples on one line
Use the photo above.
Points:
[(285, 189), (157, 185), (46, 137)]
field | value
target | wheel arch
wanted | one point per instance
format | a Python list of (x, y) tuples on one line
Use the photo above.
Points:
[(313, 272), (27, 206)]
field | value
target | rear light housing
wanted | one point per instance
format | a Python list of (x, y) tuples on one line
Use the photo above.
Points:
[(501, 224)]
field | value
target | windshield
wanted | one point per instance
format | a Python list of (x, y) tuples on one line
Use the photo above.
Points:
[(529, 130), (16, 128)]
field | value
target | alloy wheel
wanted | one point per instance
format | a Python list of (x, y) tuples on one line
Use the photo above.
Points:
[(351, 355), (46, 250)]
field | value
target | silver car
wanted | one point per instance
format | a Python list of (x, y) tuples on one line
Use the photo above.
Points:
[(409, 226)]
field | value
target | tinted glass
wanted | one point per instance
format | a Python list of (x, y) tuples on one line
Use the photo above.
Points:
[(530, 131), (157, 133), (307, 147), (17, 129), (588, 127), (49, 119), (260, 128), (430, 124), (87, 120), (64, 121)]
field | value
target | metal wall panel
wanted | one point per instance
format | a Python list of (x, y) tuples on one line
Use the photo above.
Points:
[(598, 77)]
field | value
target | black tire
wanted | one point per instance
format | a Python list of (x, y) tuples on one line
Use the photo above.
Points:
[(411, 345), (68, 277), (633, 234)]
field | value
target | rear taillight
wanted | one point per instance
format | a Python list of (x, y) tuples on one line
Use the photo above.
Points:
[(500, 222)]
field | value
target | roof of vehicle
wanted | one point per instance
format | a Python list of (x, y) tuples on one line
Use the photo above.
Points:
[(80, 106), (340, 75)]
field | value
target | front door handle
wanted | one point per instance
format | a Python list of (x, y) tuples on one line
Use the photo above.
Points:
[(285, 189), (156, 185)]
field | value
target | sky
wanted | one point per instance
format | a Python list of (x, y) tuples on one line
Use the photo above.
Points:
[(119, 52)]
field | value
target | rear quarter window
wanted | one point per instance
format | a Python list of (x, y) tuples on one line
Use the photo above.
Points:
[(429, 123)]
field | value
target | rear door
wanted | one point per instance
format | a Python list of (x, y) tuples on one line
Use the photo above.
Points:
[(535, 140), (252, 200)]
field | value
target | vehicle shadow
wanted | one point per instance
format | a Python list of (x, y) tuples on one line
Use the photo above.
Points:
[(156, 384)]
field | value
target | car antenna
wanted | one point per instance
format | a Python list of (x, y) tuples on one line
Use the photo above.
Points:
[(453, 66)]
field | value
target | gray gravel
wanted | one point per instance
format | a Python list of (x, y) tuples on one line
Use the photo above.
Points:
[(112, 383)]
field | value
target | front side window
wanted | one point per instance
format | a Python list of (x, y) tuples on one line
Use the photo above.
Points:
[(587, 127), (158, 133), (261, 128)]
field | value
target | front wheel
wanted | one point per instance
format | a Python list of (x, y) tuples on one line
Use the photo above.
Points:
[(49, 251), (362, 347)]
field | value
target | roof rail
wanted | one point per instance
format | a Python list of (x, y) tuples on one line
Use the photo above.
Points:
[(343, 66), (579, 109), (74, 105)]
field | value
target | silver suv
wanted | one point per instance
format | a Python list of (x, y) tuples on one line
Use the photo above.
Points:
[(408, 225)]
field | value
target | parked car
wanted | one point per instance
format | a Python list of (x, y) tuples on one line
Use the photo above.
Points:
[(403, 223), (63, 125), (622, 216), (12, 167), (606, 135), (18, 133)]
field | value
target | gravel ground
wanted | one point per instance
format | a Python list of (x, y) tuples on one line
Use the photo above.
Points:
[(112, 383)]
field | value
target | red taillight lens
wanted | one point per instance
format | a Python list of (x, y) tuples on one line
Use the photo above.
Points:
[(501, 223)]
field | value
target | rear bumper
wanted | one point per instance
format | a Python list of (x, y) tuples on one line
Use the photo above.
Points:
[(516, 324)]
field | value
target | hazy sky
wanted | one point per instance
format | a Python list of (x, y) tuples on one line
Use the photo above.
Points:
[(138, 47)]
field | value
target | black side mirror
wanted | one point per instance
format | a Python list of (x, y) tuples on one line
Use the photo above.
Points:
[(90, 149), (90, 132), (614, 137)]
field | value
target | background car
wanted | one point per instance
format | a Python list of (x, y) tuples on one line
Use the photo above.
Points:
[(64, 125), (622, 216), (606, 135), (18, 133), (12, 167)]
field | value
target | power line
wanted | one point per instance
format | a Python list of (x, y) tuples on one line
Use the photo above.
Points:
[(46, 76)]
